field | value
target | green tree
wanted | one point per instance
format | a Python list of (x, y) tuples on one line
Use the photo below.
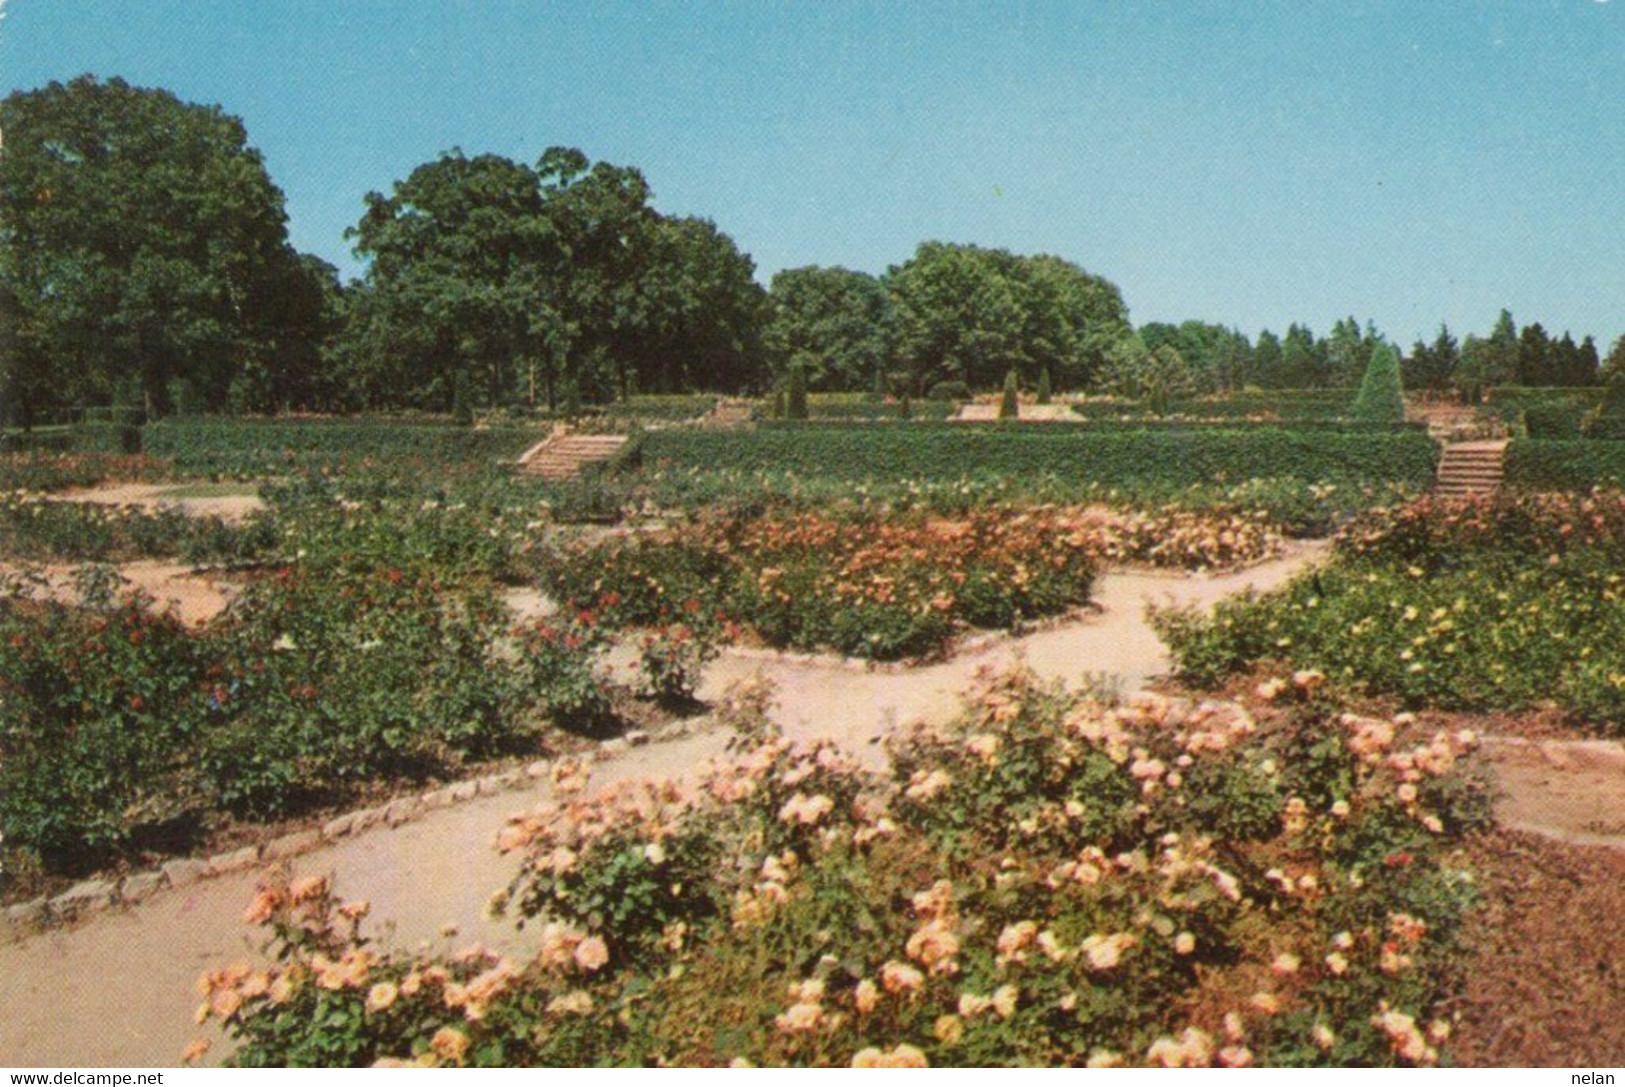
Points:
[(963, 313), (1267, 371), (463, 261), (1536, 362), (1614, 365), (1381, 398), (1501, 352), (1432, 366), (1044, 391), (702, 314), (1301, 360), (140, 235), (834, 321)]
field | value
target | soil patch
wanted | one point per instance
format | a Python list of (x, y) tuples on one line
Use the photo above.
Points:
[(1545, 977)]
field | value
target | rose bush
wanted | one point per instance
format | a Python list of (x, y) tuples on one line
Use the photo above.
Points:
[(1049, 880)]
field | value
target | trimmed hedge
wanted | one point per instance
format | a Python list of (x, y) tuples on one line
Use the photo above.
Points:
[(1574, 465), (1560, 420), (1112, 456), (57, 439), (255, 446), (1508, 402), (1283, 405)]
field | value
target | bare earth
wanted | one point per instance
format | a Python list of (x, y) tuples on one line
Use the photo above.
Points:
[(228, 507), (118, 990)]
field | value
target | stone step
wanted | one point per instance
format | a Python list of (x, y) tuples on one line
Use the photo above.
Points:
[(1469, 469), (563, 456)]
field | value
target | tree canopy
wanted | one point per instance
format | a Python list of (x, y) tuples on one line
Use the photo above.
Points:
[(140, 236), (964, 313), (540, 279)]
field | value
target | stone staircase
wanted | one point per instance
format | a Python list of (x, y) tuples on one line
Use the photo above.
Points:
[(1467, 469), (564, 454), (728, 413)]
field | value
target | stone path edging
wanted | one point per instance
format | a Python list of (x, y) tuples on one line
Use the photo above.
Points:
[(96, 894)]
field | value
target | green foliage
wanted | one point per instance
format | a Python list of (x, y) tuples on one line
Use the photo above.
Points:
[(795, 397), (93, 436), (462, 403), (831, 320), (544, 278), (967, 314), (100, 706), (42, 530), (1174, 886), (1507, 605), (1133, 458), (878, 588), (1546, 465), (1044, 393), (1009, 406), (150, 245), (1380, 398), (1550, 421), (1609, 423), (256, 448)]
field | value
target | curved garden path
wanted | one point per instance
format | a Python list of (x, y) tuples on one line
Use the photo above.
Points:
[(118, 989)]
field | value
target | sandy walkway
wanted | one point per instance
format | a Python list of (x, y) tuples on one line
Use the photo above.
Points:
[(119, 989), (228, 507)]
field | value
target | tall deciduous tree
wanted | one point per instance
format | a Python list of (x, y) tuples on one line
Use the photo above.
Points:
[(142, 237), (834, 321), (963, 313)]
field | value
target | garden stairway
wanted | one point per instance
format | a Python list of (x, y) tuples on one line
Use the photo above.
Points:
[(564, 454), (729, 413), (1467, 469)]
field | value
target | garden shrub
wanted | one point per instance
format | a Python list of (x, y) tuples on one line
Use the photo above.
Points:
[(1380, 398), (1009, 407), (1043, 882), (1609, 422), (257, 447), (325, 683), (1506, 605), (1130, 457), (879, 588), (948, 391), (100, 706), (795, 404), (1560, 421)]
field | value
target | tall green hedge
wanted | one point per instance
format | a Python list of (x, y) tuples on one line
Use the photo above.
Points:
[(1109, 455), (1575, 465), (259, 446)]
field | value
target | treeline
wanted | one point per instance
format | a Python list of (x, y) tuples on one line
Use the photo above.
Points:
[(144, 263)]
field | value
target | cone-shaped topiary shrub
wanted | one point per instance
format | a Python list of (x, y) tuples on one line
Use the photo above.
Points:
[(1381, 398), (795, 404), (1008, 408), (1043, 386)]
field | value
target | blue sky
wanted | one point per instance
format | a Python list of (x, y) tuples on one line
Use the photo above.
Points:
[(1248, 163)]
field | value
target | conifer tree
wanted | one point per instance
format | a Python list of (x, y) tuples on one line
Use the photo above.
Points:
[(1381, 398)]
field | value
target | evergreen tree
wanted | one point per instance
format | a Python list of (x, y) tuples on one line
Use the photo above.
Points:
[(1266, 368), (1381, 398), (1009, 406), (795, 405), (1043, 386)]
